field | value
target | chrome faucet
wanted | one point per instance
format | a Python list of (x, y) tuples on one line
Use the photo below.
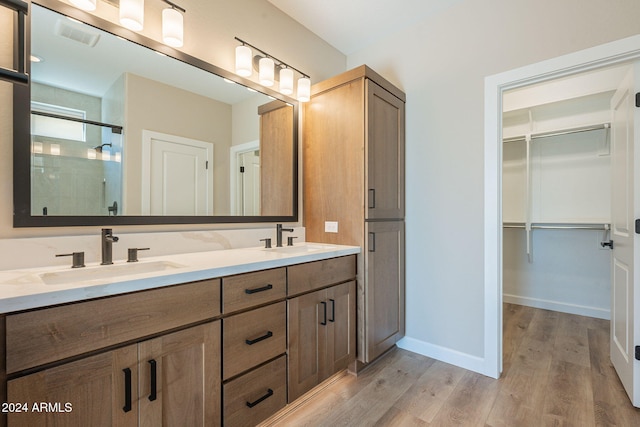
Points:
[(279, 231), (107, 240)]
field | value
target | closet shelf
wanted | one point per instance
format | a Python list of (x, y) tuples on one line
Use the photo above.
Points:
[(559, 226), (557, 133)]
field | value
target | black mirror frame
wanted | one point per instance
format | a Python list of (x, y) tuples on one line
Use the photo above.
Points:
[(22, 138)]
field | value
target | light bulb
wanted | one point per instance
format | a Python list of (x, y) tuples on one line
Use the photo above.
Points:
[(286, 81), (132, 14), (266, 71), (243, 61), (304, 89), (172, 27)]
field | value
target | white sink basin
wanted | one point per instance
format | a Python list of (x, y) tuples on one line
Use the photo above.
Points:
[(105, 272), (301, 249)]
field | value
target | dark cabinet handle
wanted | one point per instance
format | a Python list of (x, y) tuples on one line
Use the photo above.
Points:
[(154, 380), (333, 310), (127, 390), (372, 198), (266, 396), (269, 334), (256, 290), (324, 309), (372, 242)]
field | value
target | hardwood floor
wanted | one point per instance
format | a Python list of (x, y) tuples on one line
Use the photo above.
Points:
[(556, 373)]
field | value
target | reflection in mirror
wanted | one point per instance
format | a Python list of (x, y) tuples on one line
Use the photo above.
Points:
[(118, 129)]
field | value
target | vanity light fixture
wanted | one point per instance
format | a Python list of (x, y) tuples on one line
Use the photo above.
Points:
[(286, 81), (267, 71), (132, 14), (173, 25), (267, 67), (84, 4)]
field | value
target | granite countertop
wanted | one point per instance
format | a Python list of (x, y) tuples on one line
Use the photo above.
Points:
[(40, 287)]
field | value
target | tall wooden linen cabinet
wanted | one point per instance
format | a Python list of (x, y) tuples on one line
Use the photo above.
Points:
[(353, 168)]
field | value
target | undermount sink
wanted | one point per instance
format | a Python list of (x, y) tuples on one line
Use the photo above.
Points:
[(300, 249), (105, 272)]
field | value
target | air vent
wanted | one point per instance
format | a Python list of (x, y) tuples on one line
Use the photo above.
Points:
[(76, 32)]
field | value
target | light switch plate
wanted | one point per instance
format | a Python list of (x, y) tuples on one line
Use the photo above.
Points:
[(331, 226)]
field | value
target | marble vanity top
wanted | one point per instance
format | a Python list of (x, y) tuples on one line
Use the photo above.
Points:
[(39, 287)]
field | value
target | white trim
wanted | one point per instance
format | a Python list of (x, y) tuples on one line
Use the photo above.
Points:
[(145, 168), (233, 166), (444, 354), (563, 307), (613, 53)]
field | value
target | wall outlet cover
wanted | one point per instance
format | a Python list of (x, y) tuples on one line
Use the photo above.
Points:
[(331, 226)]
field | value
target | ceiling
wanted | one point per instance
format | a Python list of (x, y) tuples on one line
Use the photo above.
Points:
[(355, 24)]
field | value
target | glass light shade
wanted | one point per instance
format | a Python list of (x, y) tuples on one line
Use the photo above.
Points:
[(54, 149), (243, 61), (84, 4), (304, 89), (172, 27), (286, 81), (266, 72), (132, 14)]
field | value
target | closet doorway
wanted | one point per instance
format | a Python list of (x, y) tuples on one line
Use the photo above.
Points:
[(568, 202)]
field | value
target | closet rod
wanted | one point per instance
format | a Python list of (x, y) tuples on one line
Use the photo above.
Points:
[(558, 133), (561, 226)]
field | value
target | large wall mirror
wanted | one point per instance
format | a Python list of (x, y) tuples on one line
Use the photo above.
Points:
[(112, 131)]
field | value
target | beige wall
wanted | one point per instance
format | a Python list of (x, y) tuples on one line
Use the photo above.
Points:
[(210, 27), (441, 63)]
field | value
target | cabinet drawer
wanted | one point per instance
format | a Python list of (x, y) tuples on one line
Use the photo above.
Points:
[(319, 274), (251, 289), (44, 336), (256, 395), (252, 338)]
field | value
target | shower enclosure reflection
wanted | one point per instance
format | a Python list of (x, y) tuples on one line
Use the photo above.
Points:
[(76, 164)]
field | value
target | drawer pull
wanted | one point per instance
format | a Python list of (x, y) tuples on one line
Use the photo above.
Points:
[(333, 310), (324, 309), (154, 380), (256, 290), (266, 396), (127, 390), (269, 334)]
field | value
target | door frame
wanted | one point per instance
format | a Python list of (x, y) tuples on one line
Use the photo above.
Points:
[(234, 151), (617, 52), (147, 137)]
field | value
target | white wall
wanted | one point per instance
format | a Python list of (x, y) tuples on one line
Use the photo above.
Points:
[(441, 64), (210, 27)]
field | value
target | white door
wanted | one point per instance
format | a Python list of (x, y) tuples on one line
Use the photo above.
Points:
[(180, 175), (249, 183), (625, 325)]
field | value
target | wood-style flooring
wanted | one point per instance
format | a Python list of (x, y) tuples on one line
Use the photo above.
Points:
[(556, 373)]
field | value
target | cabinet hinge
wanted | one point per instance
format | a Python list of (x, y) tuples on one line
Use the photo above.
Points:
[(241, 169), (638, 352), (638, 99)]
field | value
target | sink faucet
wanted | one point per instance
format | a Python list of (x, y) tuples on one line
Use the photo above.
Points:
[(279, 231), (107, 240)]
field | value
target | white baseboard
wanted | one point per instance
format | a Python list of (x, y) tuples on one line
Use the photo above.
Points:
[(453, 357), (581, 310)]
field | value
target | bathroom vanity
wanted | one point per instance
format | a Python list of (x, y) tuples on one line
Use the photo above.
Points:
[(219, 338)]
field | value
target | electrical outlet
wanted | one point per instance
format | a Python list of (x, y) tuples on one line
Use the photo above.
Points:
[(331, 226)]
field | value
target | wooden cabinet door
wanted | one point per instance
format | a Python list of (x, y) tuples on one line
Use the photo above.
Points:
[(306, 342), (384, 293), (185, 368), (341, 332), (385, 154), (93, 391)]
